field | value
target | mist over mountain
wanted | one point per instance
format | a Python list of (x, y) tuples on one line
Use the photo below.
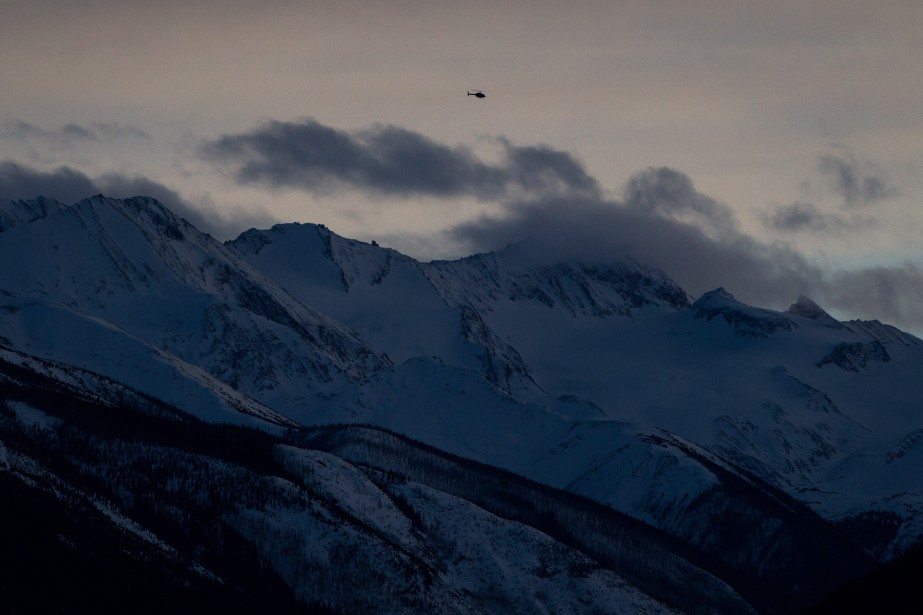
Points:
[(522, 429)]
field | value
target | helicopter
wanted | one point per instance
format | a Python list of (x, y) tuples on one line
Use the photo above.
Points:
[(477, 93)]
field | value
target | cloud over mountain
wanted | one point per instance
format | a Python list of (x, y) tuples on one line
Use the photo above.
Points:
[(389, 160), (547, 194), (662, 219), (893, 294), (69, 185), (64, 183)]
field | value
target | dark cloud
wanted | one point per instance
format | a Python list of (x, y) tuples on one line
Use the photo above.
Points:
[(71, 134), (543, 170), (891, 294), (389, 160), (856, 182), (69, 186), (663, 220), (64, 184), (667, 193), (204, 215)]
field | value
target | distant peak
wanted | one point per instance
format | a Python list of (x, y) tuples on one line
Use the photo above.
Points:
[(806, 308), (14, 212), (747, 321), (719, 294)]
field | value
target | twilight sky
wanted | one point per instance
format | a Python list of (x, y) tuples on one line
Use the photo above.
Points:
[(772, 148)]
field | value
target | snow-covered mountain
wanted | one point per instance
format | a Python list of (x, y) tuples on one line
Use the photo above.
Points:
[(142, 295), (788, 396), (774, 445)]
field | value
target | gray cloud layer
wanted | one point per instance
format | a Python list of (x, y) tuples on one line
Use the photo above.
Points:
[(388, 160), (69, 185), (64, 184)]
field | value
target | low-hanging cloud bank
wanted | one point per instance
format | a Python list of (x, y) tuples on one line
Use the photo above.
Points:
[(662, 220), (70, 185), (547, 194)]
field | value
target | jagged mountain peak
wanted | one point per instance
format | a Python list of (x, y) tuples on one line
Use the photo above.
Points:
[(19, 211), (153, 218), (136, 266), (746, 321), (715, 297), (14, 212), (807, 308), (411, 317), (527, 272), (314, 248), (884, 333), (253, 239)]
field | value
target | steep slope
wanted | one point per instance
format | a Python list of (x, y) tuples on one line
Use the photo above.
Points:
[(240, 516), (769, 548), (442, 308), (122, 274), (13, 213), (410, 317), (526, 273)]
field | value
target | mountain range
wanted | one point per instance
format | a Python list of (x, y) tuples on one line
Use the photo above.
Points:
[(298, 419)]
